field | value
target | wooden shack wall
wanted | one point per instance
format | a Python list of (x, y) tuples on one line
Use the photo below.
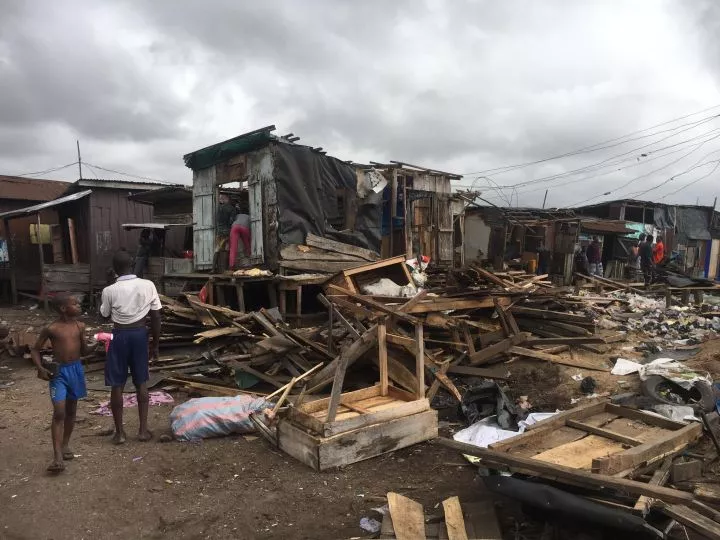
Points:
[(109, 209), (24, 253)]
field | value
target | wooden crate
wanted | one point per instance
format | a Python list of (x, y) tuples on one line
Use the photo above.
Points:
[(322, 453), (353, 426)]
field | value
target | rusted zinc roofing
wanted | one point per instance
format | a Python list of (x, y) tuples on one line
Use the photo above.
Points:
[(31, 189)]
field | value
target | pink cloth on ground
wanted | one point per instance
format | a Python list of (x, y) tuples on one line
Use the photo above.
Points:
[(130, 400)]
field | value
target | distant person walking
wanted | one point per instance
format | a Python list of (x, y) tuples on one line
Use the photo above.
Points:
[(128, 302)]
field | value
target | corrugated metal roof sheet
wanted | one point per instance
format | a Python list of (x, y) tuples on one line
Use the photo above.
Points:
[(216, 153), (132, 185), (29, 210), (31, 189)]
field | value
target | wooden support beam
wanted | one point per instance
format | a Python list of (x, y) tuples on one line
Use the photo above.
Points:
[(540, 355), (575, 476), (353, 352), (420, 361), (382, 358), (375, 305), (659, 478), (480, 372), (550, 315), (407, 306), (608, 434), (484, 355)]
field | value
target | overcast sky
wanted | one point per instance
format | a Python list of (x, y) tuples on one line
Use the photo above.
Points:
[(459, 86)]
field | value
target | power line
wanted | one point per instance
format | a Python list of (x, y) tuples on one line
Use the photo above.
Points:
[(638, 178), (47, 170), (125, 174), (693, 182), (593, 148)]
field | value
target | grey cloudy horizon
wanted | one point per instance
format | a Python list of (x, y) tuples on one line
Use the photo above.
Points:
[(463, 86)]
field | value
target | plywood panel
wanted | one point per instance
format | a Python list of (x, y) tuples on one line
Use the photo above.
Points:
[(579, 454)]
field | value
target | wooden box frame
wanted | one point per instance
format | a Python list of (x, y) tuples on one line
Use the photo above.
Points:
[(349, 427)]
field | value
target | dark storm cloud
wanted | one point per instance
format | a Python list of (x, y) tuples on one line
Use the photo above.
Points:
[(460, 86), (54, 69)]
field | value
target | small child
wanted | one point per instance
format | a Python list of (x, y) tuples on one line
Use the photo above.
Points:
[(65, 373)]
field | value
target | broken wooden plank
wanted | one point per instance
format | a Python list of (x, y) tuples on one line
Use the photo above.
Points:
[(445, 304), (488, 353), (375, 305), (648, 452), (550, 315), (690, 518), (607, 433), (454, 521), (559, 472), (487, 373), (540, 355), (383, 358), (407, 306), (659, 478), (564, 340), (408, 517), (353, 352), (295, 252), (340, 247)]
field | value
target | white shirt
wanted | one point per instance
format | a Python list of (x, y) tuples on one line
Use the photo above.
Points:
[(129, 299)]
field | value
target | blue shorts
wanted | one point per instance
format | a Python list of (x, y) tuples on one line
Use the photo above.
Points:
[(69, 383), (128, 351)]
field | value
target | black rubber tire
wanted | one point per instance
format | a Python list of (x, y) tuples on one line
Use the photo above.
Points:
[(702, 394), (649, 388)]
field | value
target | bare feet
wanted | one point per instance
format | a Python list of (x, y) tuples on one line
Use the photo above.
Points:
[(56, 466), (68, 454), (119, 438), (145, 436)]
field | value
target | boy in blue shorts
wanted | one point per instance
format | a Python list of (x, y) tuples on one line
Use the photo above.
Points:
[(65, 373)]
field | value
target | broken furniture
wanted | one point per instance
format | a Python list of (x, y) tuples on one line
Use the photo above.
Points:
[(353, 426)]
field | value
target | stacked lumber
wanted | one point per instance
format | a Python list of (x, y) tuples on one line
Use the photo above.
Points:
[(323, 255), (217, 348)]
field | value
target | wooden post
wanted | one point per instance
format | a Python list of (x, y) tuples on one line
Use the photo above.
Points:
[(685, 298), (698, 298), (383, 357), (330, 346), (420, 360), (43, 284), (73, 241), (668, 298), (11, 262), (298, 301)]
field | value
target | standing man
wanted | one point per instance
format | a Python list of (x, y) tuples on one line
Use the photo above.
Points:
[(594, 255), (128, 302), (646, 258)]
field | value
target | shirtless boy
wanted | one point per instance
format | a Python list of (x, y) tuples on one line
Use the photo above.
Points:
[(67, 381)]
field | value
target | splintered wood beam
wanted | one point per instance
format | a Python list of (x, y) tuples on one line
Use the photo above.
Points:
[(375, 305), (407, 306), (407, 516), (540, 355), (353, 352), (420, 361), (488, 353), (382, 358)]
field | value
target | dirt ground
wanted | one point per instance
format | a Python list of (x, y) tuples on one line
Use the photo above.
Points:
[(232, 487)]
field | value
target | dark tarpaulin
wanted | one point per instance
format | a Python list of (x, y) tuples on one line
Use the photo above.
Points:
[(693, 224), (663, 217), (307, 184)]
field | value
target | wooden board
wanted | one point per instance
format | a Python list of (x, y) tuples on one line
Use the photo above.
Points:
[(294, 252), (454, 521), (580, 454), (488, 353), (540, 355), (340, 247), (444, 304), (358, 445), (327, 267), (697, 522), (407, 516)]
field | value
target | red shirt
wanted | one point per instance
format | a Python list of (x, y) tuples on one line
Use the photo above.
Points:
[(658, 252)]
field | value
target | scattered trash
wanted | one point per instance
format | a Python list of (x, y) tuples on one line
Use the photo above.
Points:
[(370, 525), (157, 397), (588, 385)]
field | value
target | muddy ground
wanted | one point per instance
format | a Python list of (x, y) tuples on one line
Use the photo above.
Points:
[(233, 487)]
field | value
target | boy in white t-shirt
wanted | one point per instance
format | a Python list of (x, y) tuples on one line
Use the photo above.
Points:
[(128, 302)]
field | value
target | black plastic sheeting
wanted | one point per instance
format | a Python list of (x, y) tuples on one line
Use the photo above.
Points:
[(693, 224), (557, 504), (307, 184), (663, 217)]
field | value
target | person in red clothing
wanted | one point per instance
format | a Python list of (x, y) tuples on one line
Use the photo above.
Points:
[(658, 251)]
